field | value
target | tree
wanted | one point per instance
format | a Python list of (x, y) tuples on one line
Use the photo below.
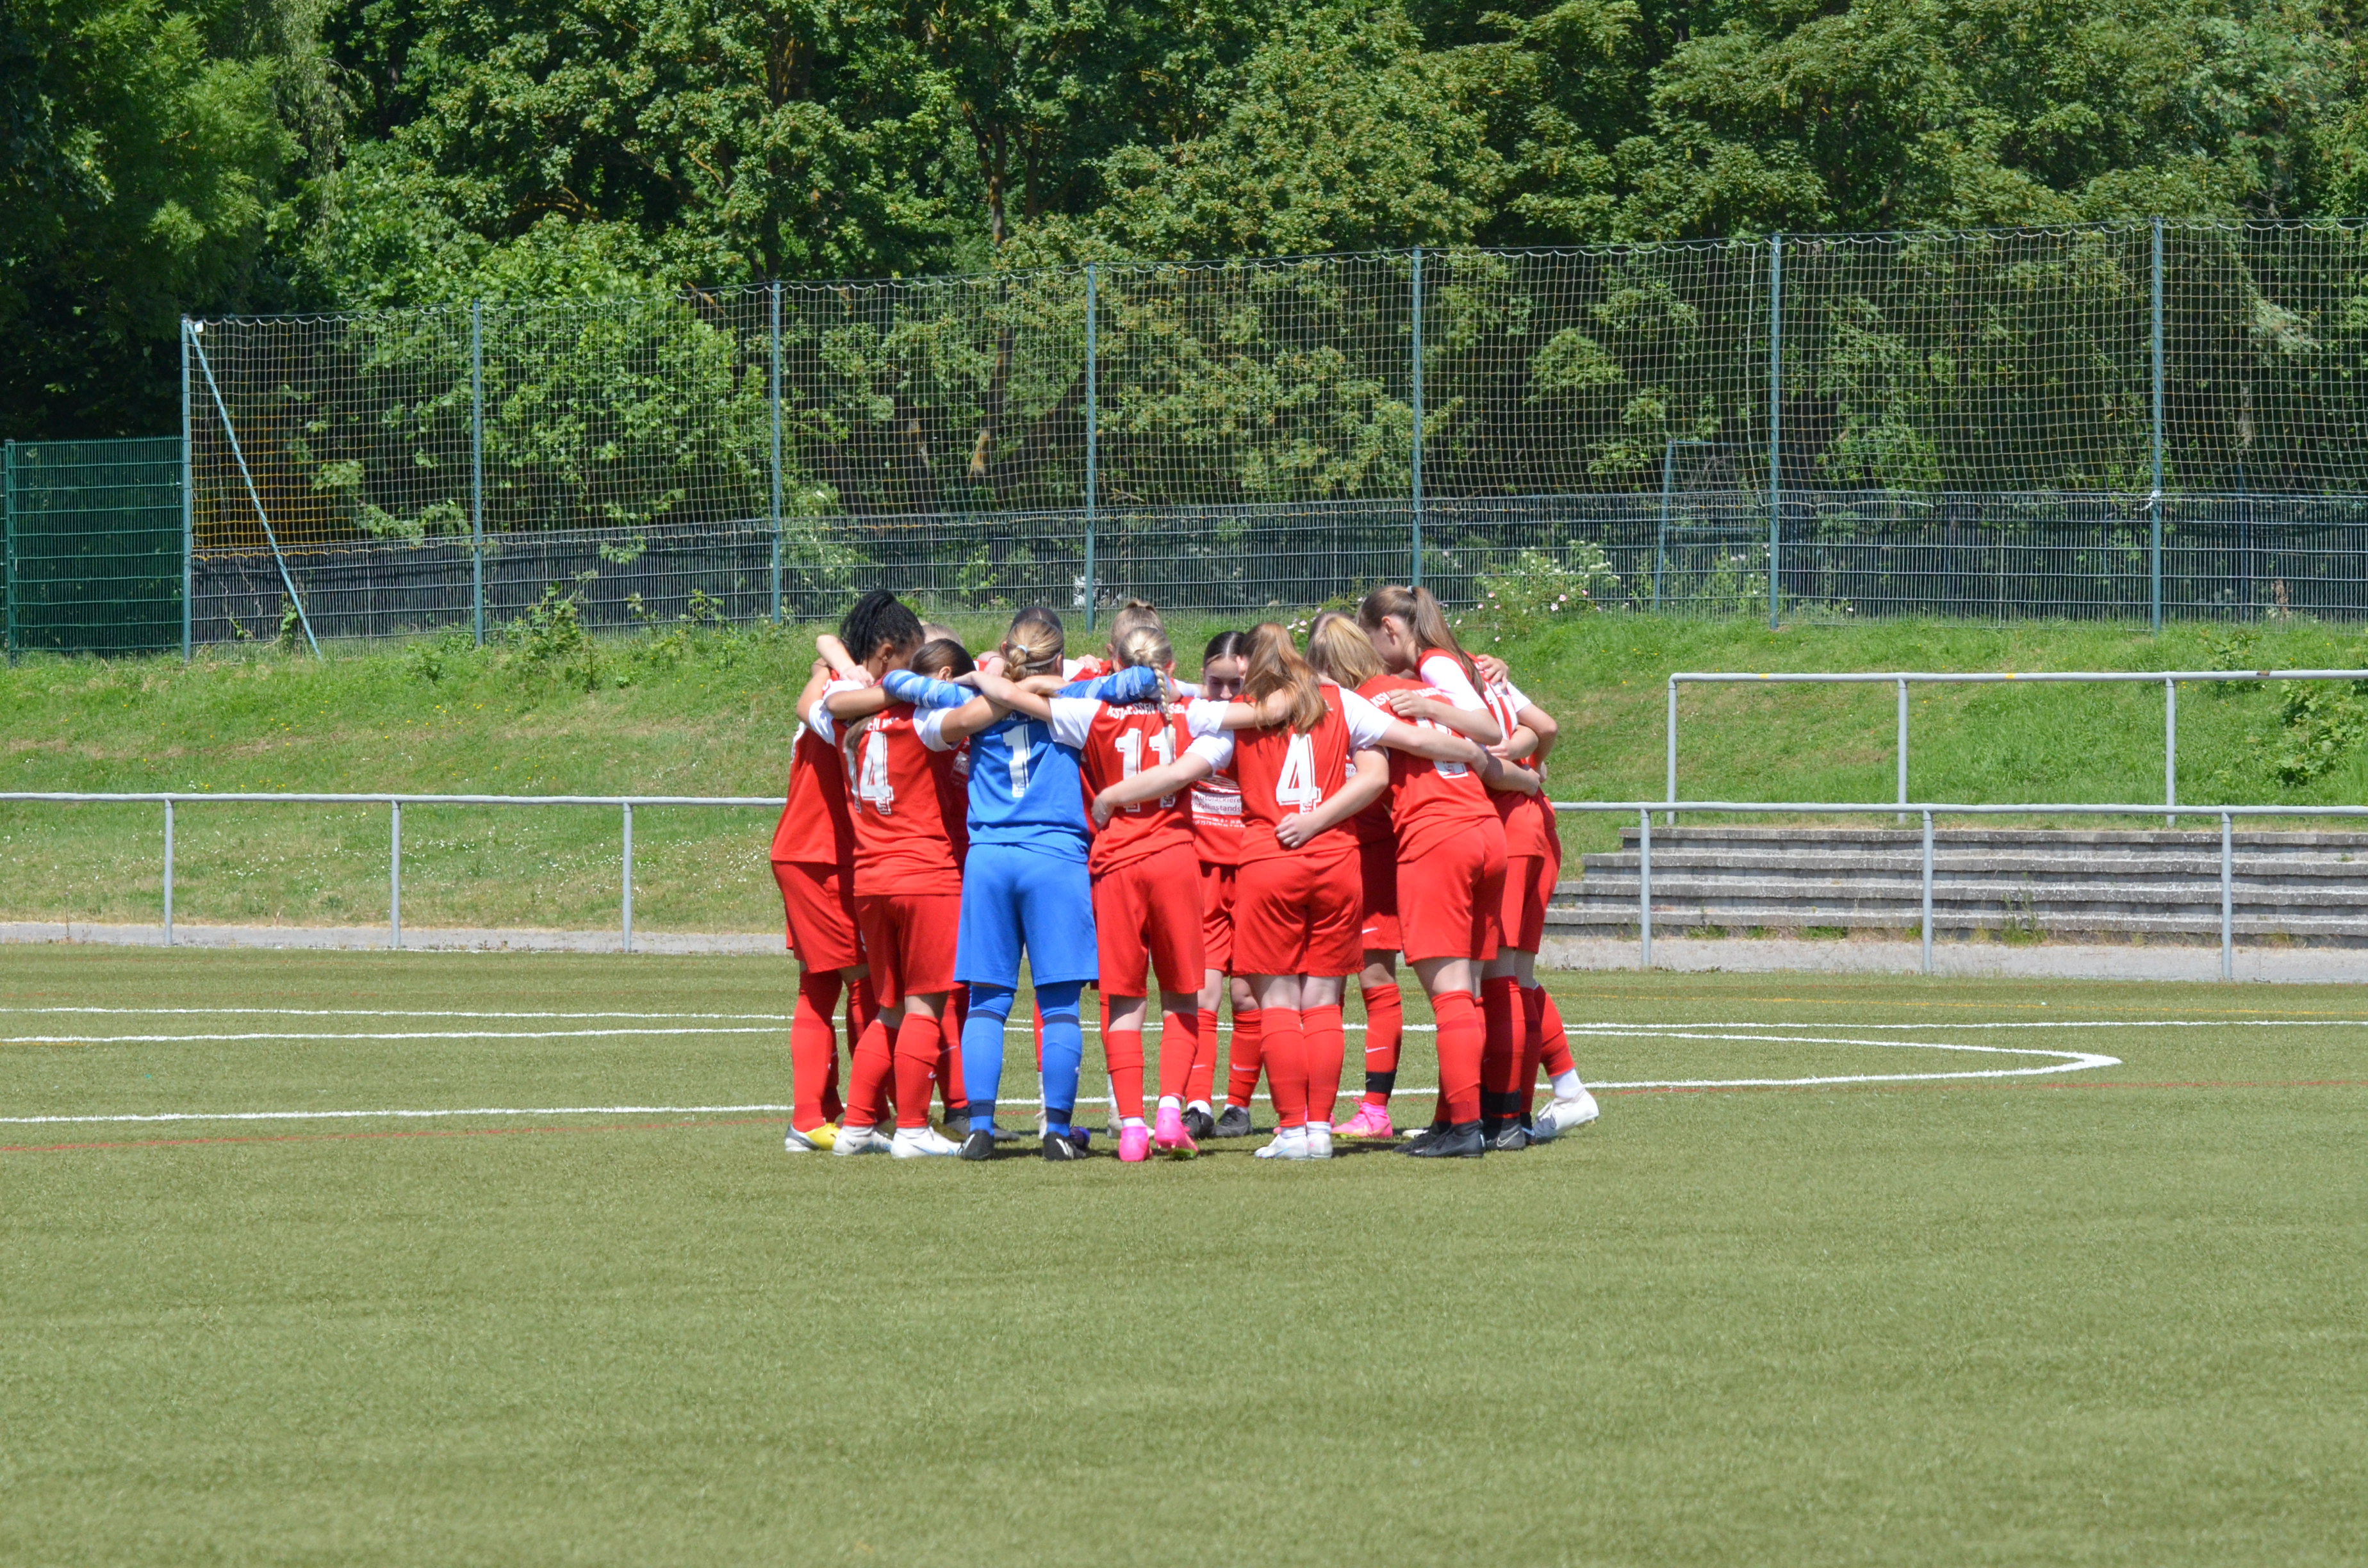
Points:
[(145, 171)]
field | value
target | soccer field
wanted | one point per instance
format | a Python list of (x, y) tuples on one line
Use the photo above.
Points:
[(2060, 1273)]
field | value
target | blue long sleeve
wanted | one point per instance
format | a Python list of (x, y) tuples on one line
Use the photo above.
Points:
[(1136, 683), (922, 691)]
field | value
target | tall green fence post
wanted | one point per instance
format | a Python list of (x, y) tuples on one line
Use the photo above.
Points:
[(2154, 499), (1093, 428), (477, 467), (8, 537), (1414, 567), (776, 401), (188, 501), (1775, 423)]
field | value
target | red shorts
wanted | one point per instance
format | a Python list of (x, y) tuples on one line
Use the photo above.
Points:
[(1293, 916), (1216, 917), (1149, 910), (1529, 885), (819, 903), (1453, 897), (1377, 869), (909, 939)]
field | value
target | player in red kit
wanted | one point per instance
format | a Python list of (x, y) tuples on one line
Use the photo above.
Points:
[(1147, 884), (1534, 851), (1296, 895), (814, 865), (907, 809)]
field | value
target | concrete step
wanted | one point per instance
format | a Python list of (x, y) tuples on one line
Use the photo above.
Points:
[(2302, 884)]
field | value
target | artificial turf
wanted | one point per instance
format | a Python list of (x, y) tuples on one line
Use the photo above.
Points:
[(2100, 1316)]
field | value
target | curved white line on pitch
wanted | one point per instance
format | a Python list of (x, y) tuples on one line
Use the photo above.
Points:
[(2059, 1060)]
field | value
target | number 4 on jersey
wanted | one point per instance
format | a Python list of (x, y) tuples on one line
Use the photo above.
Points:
[(1298, 787), (871, 785)]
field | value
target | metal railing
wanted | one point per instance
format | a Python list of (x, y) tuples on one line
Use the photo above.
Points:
[(395, 804), (1644, 811), (1905, 678), (2227, 815)]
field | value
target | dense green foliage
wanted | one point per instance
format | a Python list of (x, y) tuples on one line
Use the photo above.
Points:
[(203, 155)]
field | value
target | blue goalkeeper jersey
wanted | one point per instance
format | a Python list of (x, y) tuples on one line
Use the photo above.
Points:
[(1025, 787)]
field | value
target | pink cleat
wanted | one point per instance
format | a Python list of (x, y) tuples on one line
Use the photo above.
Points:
[(1371, 1122), (1135, 1144), (1173, 1140)]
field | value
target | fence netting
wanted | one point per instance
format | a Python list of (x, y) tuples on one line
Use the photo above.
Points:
[(90, 546), (2075, 422)]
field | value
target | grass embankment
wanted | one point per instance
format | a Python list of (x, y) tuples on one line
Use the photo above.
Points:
[(2081, 1318), (708, 711)]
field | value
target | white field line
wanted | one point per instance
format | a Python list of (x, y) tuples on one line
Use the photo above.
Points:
[(1613, 1026), (418, 1034), (381, 1013), (2058, 1062)]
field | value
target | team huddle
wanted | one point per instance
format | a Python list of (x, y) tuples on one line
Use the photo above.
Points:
[(1255, 837)]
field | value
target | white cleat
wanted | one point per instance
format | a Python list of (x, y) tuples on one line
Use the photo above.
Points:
[(921, 1144), (1319, 1140), (1564, 1116), (1291, 1143), (859, 1141)]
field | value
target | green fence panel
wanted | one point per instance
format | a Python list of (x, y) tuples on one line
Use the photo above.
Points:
[(93, 558)]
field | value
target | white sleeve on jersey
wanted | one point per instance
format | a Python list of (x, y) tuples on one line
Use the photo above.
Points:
[(1513, 695), (1218, 749), (1443, 673), (929, 723), (1072, 718), (1367, 723), (1206, 717), (818, 718)]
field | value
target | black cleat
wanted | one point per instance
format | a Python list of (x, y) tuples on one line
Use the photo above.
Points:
[(1200, 1124), (1510, 1138), (1061, 1146), (1420, 1136), (1233, 1123), (979, 1145), (1009, 1135), (1462, 1141)]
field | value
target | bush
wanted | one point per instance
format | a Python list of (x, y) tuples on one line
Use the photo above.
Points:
[(1544, 587)]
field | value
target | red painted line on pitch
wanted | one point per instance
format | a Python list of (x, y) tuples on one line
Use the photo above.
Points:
[(352, 1137)]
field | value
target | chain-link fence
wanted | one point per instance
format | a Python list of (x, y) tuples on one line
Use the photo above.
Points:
[(91, 546), (2119, 421)]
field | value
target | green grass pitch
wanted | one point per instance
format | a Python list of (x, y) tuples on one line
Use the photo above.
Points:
[(2104, 1314)]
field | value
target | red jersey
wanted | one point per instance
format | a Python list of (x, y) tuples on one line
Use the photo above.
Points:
[(814, 829), (1121, 742), (907, 808), (1529, 826), (1431, 803), (1217, 819), (1285, 771)]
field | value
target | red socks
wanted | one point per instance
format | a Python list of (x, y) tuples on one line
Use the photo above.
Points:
[(917, 1063), (1462, 1039), (1203, 1082), (1325, 1047), (1180, 1053), (1508, 1024), (1554, 1046), (1533, 1045), (1384, 1025), (1123, 1049), (867, 1085), (1283, 1038), (1242, 1071), (813, 1047)]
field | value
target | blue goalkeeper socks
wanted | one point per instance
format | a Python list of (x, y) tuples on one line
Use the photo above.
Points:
[(981, 1048), (1064, 1049)]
